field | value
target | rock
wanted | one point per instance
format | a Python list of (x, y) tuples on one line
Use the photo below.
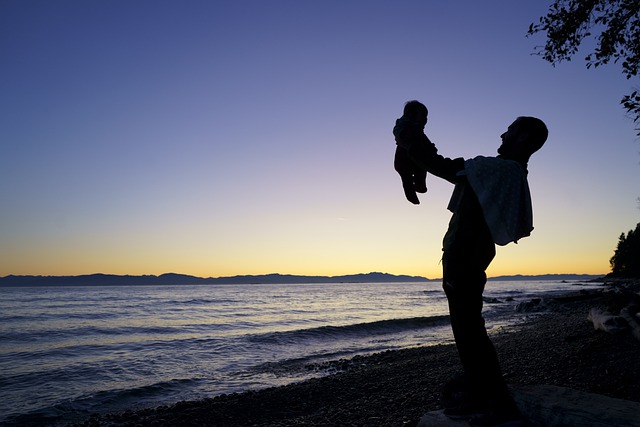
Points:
[(439, 419), (553, 406), (580, 296), (529, 306)]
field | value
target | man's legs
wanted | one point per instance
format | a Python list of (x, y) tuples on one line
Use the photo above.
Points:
[(464, 281)]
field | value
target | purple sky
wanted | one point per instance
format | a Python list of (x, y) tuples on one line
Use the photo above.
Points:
[(217, 138)]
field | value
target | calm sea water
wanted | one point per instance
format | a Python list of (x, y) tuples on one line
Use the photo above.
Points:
[(66, 352)]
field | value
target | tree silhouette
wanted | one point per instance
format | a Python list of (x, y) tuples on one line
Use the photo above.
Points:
[(569, 22), (625, 261)]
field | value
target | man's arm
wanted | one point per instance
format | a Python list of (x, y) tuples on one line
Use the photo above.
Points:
[(425, 154)]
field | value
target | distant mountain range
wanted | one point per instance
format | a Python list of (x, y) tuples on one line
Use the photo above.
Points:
[(182, 279)]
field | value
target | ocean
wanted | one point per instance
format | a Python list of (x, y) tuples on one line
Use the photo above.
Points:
[(69, 351)]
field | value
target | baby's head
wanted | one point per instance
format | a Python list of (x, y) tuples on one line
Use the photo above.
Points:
[(416, 111)]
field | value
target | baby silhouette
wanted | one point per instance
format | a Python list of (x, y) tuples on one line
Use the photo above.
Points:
[(409, 129)]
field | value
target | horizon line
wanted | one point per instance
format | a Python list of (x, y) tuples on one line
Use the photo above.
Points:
[(290, 274)]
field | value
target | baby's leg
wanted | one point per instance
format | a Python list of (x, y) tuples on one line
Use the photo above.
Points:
[(409, 191), (404, 166), (420, 180)]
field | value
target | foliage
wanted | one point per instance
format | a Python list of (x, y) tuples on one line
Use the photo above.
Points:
[(569, 22), (625, 261)]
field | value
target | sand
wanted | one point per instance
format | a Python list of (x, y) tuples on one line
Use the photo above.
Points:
[(557, 346)]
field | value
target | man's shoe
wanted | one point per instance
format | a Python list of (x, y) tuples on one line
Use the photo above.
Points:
[(498, 419)]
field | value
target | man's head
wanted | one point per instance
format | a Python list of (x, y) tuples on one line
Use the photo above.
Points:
[(525, 136), (416, 111)]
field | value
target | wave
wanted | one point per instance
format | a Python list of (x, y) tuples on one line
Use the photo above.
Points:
[(328, 332), (75, 410), (62, 334)]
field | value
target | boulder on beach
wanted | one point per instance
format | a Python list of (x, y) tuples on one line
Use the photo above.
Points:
[(554, 406)]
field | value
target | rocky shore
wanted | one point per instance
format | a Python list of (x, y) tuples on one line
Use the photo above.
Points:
[(557, 345)]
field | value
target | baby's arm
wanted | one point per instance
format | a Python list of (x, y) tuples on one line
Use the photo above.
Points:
[(407, 133), (425, 154)]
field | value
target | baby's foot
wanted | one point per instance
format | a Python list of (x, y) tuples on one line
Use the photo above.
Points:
[(412, 196), (420, 187)]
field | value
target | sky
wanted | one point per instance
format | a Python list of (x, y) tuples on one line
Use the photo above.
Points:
[(218, 138)]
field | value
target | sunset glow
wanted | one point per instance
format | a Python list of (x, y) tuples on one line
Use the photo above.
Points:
[(219, 138)]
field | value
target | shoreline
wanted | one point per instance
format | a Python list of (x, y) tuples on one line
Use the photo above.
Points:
[(395, 388)]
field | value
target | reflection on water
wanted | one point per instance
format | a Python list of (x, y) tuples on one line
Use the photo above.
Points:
[(68, 350)]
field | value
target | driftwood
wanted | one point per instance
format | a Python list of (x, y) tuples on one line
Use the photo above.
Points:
[(627, 303), (631, 314), (605, 321)]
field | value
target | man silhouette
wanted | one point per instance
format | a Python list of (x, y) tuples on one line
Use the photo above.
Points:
[(491, 205)]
